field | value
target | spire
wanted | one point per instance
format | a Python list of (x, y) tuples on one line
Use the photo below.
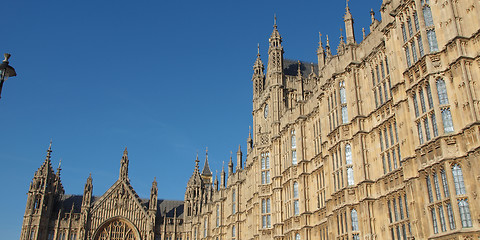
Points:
[(87, 192), (206, 168), (223, 175), (59, 168), (195, 179), (230, 165), (258, 77), (124, 166), (327, 49), (299, 68), (275, 53), (320, 53), (372, 16), (215, 183), (341, 44), (249, 140), (239, 158), (49, 152), (153, 196), (349, 30)]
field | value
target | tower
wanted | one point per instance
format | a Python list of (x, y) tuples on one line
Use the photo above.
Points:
[(45, 189), (194, 192)]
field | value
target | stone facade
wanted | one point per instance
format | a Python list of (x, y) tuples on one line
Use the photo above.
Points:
[(380, 141)]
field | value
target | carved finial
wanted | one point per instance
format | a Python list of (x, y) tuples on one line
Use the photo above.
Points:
[(363, 31), (328, 41), (7, 56), (319, 38), (275, 20), (125, 152), (258, 49)]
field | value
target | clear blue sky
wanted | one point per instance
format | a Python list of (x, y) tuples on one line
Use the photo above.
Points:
[(164, 78)]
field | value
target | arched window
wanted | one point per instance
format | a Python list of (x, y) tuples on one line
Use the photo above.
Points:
[(458, 180), (297, 236), (354, 220), (116, 229), (234, 232), (348, 154)]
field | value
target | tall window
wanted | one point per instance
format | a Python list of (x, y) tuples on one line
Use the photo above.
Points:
[(458, 180), (391, 156), (445, 109), (441, 211), (205, 227), (217, 217), (294, 147), (399, 216), (381, 81), (234, 232), (355, 229), (297, 236), (349, 164), (265, 161), (296, 207), (343, 102), (428, 18), (266, 213)]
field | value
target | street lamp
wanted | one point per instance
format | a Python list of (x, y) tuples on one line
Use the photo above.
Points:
[(6, 71)]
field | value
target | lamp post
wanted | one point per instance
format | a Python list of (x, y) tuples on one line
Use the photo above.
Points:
[(6, 71)]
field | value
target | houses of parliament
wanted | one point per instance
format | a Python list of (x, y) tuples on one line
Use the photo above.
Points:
[(378, 141)]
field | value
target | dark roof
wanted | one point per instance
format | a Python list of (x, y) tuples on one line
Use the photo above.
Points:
[(290, 67), (167, 206)]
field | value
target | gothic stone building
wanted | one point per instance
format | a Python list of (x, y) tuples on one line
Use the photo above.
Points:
[(380, 141)]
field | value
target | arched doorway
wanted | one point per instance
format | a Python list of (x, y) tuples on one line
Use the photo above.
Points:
[(116, 229)]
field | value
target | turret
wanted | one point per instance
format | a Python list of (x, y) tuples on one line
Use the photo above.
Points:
[(45, 189), (349, 30), (124, 166), (87, 193), (258, 77), (275, 58), (152, 206), (194, 191)]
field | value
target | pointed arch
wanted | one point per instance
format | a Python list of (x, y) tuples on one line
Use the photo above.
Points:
[(116, 228)]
